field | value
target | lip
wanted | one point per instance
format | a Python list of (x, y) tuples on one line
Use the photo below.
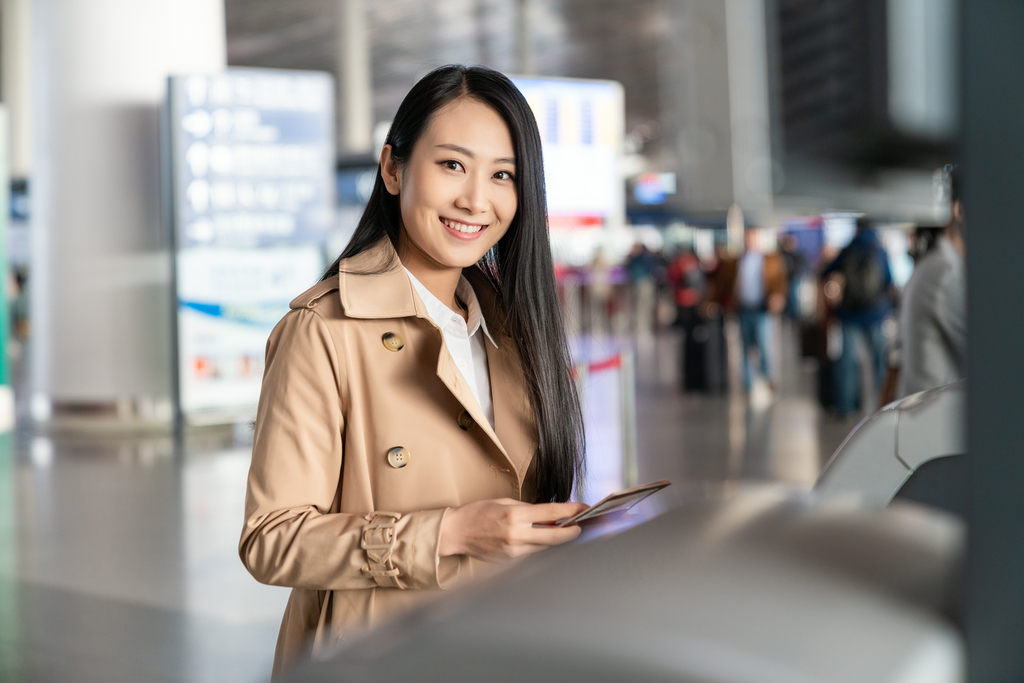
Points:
[(461, 235)]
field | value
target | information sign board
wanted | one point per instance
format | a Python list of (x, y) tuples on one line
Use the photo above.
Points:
[(251, 156)]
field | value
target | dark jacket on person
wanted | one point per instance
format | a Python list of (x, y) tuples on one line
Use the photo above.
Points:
[(864, 247)]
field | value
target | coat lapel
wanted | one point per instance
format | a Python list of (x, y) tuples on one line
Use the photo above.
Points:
[(453, 379), (513, 418), (514, 422), (373, 285)]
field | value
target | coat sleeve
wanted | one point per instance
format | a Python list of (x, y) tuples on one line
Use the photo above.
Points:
[(290, 536)]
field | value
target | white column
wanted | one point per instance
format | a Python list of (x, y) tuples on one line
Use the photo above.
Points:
[(747, 42), (100, 270), (355, 95), (6, 390), (16, 81), (526, 66)]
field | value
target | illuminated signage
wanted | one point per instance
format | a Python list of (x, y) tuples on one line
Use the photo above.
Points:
[(581, 127), (252, 156)]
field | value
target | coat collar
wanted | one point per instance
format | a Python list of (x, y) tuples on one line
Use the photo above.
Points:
[(374, 285), (442, 315)]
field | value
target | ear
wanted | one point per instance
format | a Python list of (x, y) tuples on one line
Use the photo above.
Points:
[(957, 209), (390, 170)]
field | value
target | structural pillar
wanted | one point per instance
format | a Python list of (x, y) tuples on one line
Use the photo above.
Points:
[(526, 66), (750, 124), (695, 91), (355, 94), (6, 390), (992, 149), (100, 309), (16, 82)]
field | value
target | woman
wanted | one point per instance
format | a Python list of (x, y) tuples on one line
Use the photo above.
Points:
[(418, 415)]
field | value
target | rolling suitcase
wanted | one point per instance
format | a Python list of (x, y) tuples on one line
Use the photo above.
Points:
[(703, 362)]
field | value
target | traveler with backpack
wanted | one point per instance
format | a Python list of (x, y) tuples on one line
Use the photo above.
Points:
[(862, 271)]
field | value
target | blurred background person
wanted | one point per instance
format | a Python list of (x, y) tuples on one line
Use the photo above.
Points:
[(795, 265), (861, 276), (687, 281), (760, 287), (705, 357), (600, 293), (933, 309), (641, 267), (921, 242)]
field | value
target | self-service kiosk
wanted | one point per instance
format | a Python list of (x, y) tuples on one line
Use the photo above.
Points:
[(914, 448)]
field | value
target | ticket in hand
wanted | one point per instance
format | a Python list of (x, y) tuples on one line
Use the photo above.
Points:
[(615, 502)]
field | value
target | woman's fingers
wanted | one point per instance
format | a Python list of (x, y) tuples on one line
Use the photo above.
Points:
[(549, 512), (546, 536), (526, 549), (493, 529)]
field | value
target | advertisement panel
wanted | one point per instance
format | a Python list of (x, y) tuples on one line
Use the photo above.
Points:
[(251, 159)]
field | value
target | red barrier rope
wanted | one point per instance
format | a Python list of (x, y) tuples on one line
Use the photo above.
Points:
[(606, 364)]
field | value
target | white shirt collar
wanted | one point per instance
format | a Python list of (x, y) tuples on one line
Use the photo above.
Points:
[(442, 315)]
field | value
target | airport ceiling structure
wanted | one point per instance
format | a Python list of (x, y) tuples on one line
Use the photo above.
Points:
[(608, 39)]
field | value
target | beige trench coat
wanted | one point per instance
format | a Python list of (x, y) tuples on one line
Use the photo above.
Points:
[(337, 402)]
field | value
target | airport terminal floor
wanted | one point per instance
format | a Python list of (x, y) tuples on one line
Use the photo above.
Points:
[(118, 556)]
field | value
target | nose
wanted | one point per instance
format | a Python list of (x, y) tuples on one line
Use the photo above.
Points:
[(473, 197)]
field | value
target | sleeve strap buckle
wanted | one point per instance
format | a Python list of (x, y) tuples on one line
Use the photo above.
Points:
[(378, 540)]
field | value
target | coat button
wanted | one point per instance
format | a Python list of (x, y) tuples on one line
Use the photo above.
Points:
[(393, 341), (466, 421), (398, 457)]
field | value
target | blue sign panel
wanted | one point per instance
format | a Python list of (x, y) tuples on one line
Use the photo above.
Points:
[(254, 151), (252, 162)]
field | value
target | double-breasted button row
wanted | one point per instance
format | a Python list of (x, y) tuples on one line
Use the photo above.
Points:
[(398, 457), (393, 341)]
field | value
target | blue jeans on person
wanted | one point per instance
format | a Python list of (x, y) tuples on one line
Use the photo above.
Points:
[(753, 334), (849, 377)]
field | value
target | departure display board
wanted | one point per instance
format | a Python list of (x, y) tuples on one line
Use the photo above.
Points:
[(251, 156), (581, 125)]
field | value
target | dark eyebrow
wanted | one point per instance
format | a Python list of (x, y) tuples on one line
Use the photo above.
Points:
[(463, 150)]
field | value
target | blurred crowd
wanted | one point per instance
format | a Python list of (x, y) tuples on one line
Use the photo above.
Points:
[(873, 342)]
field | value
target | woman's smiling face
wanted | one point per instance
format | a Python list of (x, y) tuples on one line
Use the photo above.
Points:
[(457, 190)]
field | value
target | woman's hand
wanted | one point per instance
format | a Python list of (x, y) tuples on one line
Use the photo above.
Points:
[(498, 530)]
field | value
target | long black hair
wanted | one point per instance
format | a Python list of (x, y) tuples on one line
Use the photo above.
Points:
[(519, 267)]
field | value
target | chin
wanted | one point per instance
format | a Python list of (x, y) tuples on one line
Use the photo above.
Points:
[(463, 260), (465, 255)]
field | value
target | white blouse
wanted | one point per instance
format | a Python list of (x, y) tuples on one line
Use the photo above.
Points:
[(465, 341)]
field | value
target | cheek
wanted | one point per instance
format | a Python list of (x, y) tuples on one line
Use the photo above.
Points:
[(408, 211), (506, 205), (506, 213), (413, 208), (421, 199)]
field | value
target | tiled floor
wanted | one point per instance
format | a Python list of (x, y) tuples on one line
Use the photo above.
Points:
[(118, 556), (693, 437), (119, 564)]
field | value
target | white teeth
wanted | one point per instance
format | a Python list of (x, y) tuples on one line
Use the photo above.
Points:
[(462, 227)]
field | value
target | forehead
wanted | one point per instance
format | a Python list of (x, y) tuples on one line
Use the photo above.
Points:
[(473, 125)]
